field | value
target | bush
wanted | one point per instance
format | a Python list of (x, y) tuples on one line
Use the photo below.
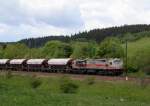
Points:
[(142, 79), (90, 80), (68, 86), (110, 47), (8, 74), (35, 82), (132, 69)]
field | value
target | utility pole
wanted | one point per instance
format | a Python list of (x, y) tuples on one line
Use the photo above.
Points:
[(126, 56)]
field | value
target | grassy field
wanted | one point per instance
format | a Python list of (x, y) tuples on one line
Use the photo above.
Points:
[(141, 45), (138, 53), (17, 91)]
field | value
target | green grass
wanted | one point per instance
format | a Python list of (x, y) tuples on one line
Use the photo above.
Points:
[(138, 54), (17, 91), (141, 45)]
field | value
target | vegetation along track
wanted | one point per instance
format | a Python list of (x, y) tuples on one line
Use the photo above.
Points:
[(79, 76)]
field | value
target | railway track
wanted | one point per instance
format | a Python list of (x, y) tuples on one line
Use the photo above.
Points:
[(78, 76)]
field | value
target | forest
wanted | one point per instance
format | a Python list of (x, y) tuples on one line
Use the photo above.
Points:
[(96, 35)]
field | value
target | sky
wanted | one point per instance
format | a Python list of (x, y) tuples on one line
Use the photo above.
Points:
[(21, 19)]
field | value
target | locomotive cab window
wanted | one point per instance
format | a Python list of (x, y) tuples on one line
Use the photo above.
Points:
[(81, 63), (117, 61)]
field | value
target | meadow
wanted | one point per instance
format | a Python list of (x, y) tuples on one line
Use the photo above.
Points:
[(17, 91), (138, 55), (141, 45)]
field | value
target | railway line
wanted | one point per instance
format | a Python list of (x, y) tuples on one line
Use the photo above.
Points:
[(77, 76), (74, 68)]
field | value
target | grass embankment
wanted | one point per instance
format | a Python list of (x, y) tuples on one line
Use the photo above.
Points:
[(138, 54), (141, 45), (17, 91)]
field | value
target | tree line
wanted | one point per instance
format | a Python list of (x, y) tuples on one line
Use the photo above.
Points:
[(97, 35), (110, 47)]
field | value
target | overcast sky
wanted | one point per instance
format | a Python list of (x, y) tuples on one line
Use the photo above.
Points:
[(33, 18)]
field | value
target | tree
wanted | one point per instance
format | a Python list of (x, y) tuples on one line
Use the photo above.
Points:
[(84, 49), (16, 51), (35, 53), (110, 47), (1, 52), (56, 49)]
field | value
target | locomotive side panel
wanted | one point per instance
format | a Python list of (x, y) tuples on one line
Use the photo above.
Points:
[(103, 66), (96, 64)]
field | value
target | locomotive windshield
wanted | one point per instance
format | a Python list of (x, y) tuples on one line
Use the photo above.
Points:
[(80, 62), (101, 61), (117, 61)]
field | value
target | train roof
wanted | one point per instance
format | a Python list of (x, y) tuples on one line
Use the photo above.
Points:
[(35, 61), (3, 61), (63, 61), (17, 61)]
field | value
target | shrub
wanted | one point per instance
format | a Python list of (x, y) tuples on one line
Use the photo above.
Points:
[(132, 69), (110, 47), (142, 80), (8, 74), (35, 82), (68, 86), (90, 80)]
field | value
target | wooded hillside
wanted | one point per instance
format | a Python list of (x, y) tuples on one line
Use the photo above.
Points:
[(97, 35)]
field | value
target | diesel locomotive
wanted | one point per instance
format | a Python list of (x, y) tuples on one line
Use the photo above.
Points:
[(107, 66)]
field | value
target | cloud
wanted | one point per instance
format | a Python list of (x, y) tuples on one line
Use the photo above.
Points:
[(7, 32), (54, 12), (105, 13), (32, 18)]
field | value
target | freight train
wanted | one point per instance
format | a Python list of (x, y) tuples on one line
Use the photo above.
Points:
[(111, 66)]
